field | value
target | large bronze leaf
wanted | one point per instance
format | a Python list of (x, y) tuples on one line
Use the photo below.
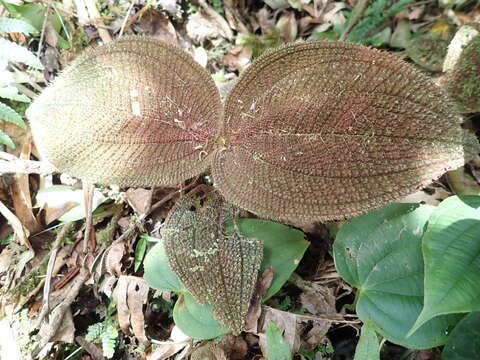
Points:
[(217, 269), (134, 112), (323, 130)]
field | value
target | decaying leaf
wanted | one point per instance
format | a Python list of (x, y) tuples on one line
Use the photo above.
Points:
[(322, 130), (217, 269), (132, 112), (113, 258), (130, 294)]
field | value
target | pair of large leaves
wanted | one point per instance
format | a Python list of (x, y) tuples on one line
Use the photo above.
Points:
[(311, 131), (417, 270)]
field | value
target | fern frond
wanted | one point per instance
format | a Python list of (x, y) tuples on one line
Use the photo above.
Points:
[(8, 114), (11, 93), (15, 25), (109, 341), (94, 331), (6, 140), (14, 52)]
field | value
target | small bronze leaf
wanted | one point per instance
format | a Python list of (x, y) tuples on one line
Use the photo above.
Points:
[(134, 112), (217, 269), (322, 130), (463, 83)]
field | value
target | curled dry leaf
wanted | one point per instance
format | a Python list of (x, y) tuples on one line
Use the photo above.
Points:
[(130, 294), (113, 259)]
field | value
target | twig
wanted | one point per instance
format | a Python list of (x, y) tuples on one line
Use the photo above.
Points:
[(88, 201), (42, 34), (125, 20), (359, 9), (48, 278), (95, 16), (58, 313), (10, 164), (20, 231)]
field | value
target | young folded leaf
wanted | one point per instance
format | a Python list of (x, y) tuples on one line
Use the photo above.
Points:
[(217, 269), (323, 130), (134, 112)]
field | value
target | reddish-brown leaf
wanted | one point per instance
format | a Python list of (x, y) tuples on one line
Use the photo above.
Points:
[(323, 130)]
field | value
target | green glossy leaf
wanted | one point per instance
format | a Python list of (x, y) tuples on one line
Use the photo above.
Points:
[(158, 273), (464, 341), (451, 249), (283, 248), (6, 140), (368, 347), (140, 252), (277, 348), (8, 25), (380, 254), (196, 320)]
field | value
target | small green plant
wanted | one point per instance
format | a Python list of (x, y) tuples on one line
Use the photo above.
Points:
[(374, 17), (12, 52), (106, 334), (416, 271)]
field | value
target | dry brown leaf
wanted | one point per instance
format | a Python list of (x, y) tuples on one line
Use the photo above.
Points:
[(66, 331), (139, 199), (113, 259), (433, 197), (287, 25), (289, 325), (159, 26), (199, 28), (20, 187), (209, 350), (255, 310), (235, 347), (53, 213), (130, 294), (238, 58), (416, 12)]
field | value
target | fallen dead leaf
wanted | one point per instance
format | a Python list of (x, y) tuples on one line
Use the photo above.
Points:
[(209, 350), (289, 325), (287, 25), (234, 347), (159, 26), (66, 331), (255, 309), (433, 197), (238, 58), (166, 349), (139, 199), (130, 294), (199, 28)]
